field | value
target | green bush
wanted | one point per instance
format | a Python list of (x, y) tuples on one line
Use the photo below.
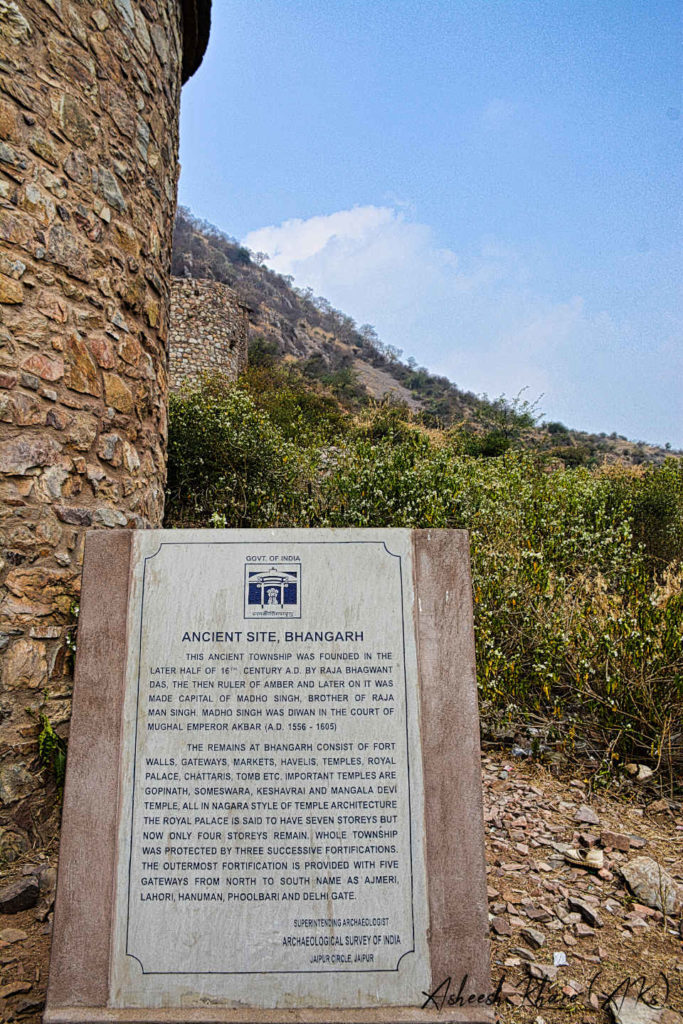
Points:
[(302, 410), (225, 456), (262, 352), (488, 445), (577, 573), (52, 751), (657, 510), (389, 419), (572, 454)]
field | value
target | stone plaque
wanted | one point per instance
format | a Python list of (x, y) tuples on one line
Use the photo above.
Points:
[(273, 805)]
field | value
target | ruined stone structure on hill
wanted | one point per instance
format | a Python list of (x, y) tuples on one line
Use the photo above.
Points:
[(208, 331), (89, 102)]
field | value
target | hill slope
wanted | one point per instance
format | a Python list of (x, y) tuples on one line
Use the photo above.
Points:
[(292, 324)]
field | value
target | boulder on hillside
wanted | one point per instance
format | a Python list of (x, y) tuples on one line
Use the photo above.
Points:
[(635, 1011), (652, 885), (18, 896)]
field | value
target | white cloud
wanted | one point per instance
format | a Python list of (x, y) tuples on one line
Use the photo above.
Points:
[(296, 241), (478, 317)]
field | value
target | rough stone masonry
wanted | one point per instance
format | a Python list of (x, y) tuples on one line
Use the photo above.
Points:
[(89, 101), (208, 333)]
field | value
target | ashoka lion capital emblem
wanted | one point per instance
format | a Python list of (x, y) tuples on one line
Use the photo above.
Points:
[(273, 592)]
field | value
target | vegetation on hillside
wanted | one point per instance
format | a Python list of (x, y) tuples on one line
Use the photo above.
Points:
[(577, 572), (202, 250), (330, 346)]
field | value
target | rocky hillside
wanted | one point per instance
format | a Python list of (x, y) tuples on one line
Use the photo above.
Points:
[(293, 324)]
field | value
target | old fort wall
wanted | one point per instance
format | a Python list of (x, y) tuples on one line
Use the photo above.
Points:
[(89, 102), (208, 331)]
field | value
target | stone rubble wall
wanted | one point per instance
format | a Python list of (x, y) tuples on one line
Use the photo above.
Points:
[(89, 100), (208, 332)]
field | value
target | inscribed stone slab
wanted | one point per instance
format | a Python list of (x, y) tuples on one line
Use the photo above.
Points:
[(276, 843)]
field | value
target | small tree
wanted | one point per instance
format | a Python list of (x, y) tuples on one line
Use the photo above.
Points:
[(510, 416)]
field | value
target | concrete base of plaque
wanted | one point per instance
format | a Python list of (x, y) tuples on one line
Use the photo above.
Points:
[(273, 807)]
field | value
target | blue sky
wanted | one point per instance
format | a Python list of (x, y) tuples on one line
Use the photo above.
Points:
[(495, 186)]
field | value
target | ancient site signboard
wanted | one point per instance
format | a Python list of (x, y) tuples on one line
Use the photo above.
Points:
[(273, 807)]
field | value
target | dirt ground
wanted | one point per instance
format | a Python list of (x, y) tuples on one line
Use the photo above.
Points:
[(629, 949)]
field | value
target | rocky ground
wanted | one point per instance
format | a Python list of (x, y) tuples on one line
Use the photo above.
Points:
[(380, 384), (567, 931)]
